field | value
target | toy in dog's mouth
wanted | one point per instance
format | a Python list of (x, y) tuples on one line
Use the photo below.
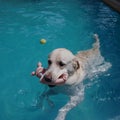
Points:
[(61, 79), (64, 76)]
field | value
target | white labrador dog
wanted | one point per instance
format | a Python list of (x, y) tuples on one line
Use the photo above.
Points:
[(64, 68), (68, 70)]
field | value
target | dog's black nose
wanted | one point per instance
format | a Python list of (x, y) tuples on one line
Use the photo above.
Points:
[(47, 79)]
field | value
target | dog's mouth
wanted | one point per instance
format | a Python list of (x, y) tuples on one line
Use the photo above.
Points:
[(61, 79)]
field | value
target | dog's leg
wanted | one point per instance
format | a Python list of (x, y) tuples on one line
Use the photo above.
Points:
[(45, 96), (74, 101), (49, 93), (40, 98)]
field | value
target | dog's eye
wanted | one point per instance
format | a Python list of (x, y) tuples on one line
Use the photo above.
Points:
[(61, 64), (49, 62)]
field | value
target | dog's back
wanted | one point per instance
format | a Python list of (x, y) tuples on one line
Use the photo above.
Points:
[(91, 53)]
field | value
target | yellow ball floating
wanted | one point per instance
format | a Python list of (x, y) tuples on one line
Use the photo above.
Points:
[(43, 41)]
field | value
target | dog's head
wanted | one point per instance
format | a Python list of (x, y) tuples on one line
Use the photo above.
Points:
[(62, 64)]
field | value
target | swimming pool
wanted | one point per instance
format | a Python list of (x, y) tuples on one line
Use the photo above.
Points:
[(62, 23)]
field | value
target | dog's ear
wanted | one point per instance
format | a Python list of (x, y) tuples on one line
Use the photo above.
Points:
[(76, 64)]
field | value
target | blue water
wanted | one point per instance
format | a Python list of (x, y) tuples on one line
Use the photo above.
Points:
[(63, 23)]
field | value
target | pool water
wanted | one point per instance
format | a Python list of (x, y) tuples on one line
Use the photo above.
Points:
[(63, 23)]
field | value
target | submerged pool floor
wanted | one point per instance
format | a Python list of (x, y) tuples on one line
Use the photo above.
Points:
[(69, 24)]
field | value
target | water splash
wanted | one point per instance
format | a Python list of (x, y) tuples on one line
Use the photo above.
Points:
[(115, 118), (96, 66)]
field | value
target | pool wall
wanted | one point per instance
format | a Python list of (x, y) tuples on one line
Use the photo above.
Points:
[(115, 4)]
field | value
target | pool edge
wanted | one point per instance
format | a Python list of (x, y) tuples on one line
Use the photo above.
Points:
[(113, 4)]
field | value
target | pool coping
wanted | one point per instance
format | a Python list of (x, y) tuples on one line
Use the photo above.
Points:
[(115, 4)]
